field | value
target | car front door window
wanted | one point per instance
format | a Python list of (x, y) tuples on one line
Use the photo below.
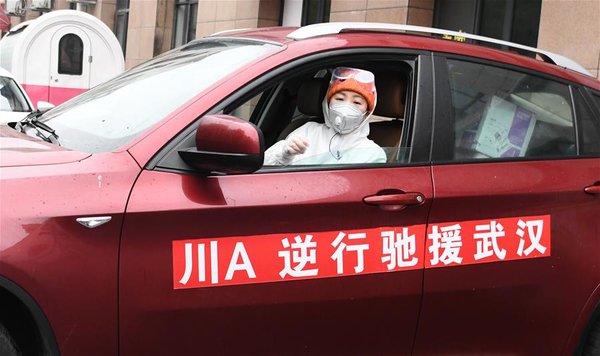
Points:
[(294, 109)]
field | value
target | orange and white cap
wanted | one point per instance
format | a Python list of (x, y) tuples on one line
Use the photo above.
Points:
[(356, 80)]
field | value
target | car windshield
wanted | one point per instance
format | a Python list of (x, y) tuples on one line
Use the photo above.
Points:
[(111, 114), (11, 97)]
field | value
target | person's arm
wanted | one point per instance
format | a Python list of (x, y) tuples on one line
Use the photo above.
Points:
[(283, 152), (274, 155)]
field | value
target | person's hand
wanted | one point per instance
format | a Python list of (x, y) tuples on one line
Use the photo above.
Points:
[(294, 146)]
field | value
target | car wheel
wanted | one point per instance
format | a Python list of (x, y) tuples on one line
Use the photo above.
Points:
[(7, 344), (592, 345)]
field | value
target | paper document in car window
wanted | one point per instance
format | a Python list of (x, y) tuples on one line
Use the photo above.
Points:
[(505, 130)]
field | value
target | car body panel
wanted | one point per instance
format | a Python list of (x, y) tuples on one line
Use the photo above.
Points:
[(70, 270), (374, 312), (17, 149), (488, 304)]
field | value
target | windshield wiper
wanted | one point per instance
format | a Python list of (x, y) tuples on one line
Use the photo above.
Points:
[(32, 120)]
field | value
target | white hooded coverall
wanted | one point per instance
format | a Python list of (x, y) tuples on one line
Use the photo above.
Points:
[(354, 147)]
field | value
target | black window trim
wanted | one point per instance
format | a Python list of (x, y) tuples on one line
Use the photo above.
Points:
[(443, 121), (593, 106), (419, 152), (266, 100), (443, 106), (588, 95), (576, 122)]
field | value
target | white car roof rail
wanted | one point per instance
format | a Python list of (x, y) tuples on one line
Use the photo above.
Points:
[(329, 28)]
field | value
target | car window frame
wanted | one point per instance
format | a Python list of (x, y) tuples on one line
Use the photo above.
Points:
[(443, 109), (589, 98), (259, 115), (167, 159)]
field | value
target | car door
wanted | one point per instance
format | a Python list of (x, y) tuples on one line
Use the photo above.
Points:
[(284, 260), (512, 237)]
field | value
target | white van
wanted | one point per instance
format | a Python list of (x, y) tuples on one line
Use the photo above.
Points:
[(61, 54)]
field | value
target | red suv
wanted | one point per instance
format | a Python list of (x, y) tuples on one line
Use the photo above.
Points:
[(138, 218)]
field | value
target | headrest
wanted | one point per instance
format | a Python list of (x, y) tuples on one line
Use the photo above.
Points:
[(310, 96), (391, 94)]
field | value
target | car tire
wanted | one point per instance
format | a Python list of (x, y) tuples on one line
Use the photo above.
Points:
[(592, 345), (7, 344)]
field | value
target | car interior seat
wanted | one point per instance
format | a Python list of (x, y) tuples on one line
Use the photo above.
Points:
[(391, 99), (310, 97)]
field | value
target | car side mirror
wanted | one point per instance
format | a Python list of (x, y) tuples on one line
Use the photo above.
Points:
[(44, 106), (225, 144)]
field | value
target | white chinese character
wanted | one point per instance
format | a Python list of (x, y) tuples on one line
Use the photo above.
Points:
[(189, 263), (534, 232), (341, 246), (449, 241), (488, 244), (304, 252), (239, 252), (398, 249)]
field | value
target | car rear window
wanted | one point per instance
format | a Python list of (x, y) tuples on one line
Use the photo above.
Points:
[(500, 113)]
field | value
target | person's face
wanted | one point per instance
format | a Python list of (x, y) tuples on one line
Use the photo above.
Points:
[(349, 97)]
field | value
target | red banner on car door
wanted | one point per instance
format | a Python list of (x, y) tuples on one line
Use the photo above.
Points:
[(225, 261)]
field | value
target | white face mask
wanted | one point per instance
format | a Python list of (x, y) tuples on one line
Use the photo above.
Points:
[(343, 118)]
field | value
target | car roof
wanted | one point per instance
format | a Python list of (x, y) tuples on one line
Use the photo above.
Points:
[(446, 41)]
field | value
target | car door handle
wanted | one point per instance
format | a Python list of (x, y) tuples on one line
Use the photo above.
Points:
[(395, 201), (592, 189)]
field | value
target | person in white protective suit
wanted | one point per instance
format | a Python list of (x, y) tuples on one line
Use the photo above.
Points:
[(347, 106)]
